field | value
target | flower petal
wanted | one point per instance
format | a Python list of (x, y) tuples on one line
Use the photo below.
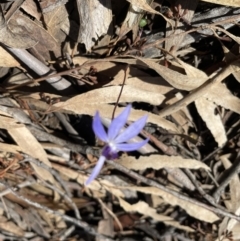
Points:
[(96, 170), (131, 146), (132, 130), (98, 128), (118, 123)]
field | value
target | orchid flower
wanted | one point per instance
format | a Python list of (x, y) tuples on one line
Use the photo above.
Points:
[(115, 139)]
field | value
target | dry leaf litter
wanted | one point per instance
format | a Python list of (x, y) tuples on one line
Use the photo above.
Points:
[(176, 61)]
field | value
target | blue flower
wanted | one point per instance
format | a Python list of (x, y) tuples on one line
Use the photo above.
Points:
[(115, 139)]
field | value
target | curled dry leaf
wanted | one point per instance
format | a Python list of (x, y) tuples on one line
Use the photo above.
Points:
[(145, 209), (31, 8), (160, 161), (206, 109), (230, 101), (174, 78)]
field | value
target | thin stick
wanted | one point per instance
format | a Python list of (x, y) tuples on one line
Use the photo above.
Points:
[(120, 93)]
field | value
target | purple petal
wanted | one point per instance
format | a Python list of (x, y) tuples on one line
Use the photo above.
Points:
[(118, 123), (98, 128), (132, 130), (96, 170), (131, 146)]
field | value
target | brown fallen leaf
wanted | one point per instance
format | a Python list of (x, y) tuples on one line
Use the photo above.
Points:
[(36, 31)]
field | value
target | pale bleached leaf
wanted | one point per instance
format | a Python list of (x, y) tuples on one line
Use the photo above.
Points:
[(160, 161), (10, 148), (174, 78), (109, 95), (31, 8), (11, 227), (229, 101), (8, 123), (95, 18), (206, 109), (143, 208)]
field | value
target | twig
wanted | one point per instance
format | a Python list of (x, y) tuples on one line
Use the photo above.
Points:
[(126, 72), (227, 175), (40, 68)]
